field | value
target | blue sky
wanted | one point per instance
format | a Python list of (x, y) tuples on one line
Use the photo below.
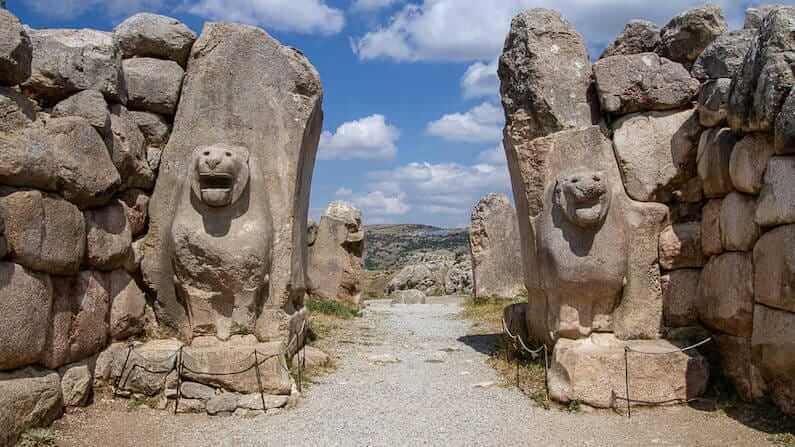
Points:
[(412, 117)]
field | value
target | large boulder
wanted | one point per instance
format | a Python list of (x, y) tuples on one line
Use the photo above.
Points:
[(497, 268), (638, 36), (279, 121), (711, 238), (154, 127), (727, 297), (25, 306), (411, 296), (642, 82), (774, 354), (77, 381), (145, 371), (545, 72), (16, 51), (88, 104), (774, 268), (724, 56), (749, 160), (776, 204), (44, 232), (65, 155), (127, 305), (128, 149), (66, 61), (681, 289), (17, 110), (713, 102), (680, 246), (30, 397), (688, 34), (153, 85), (336, 256), (760, 88), (738, 230), (108, 237), (79, 324), (656, 152), (714, 158), (414, 276), (152, 35), (593, 371)]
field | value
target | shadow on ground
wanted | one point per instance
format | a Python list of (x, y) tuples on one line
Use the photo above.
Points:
[(483, 343)]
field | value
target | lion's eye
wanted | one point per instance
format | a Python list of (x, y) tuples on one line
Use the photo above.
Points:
[(228, 154), (206, 153)]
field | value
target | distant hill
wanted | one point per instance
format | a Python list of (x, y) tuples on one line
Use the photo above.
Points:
[(389, 247)]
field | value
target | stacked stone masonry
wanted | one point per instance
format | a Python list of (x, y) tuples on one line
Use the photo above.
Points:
[(700, 125)]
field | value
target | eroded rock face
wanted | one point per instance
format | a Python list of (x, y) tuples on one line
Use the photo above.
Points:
[(278, 121), (127, 148), (638, 36), (88, 104), (30, 397), (642, 82), (108, 237), (546, 77), (686, 36), (127, 305), (680, 246), (785, 127), (714, 158), (681, 289), (774, 268), (153, 85), (755, 16), (152, 35), (155, 129), (18, 111), (15, 50), (494, 243), (713, 102), (724, 56), (771, 345), (739, 232), (77, 380), (736, 363), (727, 299), (25, 305), (711, 239), (776, 204), (748, 162), (336, 255)]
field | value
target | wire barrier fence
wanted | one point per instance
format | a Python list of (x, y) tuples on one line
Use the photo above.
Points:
[(520, 346), (181, 362)]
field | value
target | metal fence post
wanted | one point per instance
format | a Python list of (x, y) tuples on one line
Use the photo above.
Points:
[(626, 376)]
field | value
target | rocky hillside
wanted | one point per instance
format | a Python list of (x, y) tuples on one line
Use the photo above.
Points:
[(389, 247)]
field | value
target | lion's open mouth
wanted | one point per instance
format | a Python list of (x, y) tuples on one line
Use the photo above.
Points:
[(213, 181)]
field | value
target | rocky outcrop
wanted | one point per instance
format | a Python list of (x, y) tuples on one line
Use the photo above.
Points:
[(15, 50), (415, 276), (713, 102), (411, 296), (153, 85), (127, 148), (638, 36), (686, 36), (152, 35), (776, 205), (17, 110), (774, 269), (108, 237), (30, 397), (88, 104), (724, 57), (494, 242)]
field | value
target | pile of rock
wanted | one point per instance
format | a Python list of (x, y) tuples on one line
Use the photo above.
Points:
[(682, 221), (436, 273)]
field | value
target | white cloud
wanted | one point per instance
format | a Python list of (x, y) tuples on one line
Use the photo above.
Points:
[(343, 192), (303, 16), (369, 138), (371, 5), (480, 80), (474, 30), (380, 203), (482, 124), (494, 156)]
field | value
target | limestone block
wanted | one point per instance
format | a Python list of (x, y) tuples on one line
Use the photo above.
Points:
[(309, 357), (681, 293), (16, 51), (25, 307), (193, 390), (30, 397), (713, 102), (724, 56), (785, 127), (155, 355), (727, 298), (153, 85), (773, 354), (686, 36), (154, 128), (128, 150), (739, 232), (88, 104), (680, 246), (638, 36), (711, 237), (774, 268), (127, 305), (714, 157), (77, 381), (776, 203), (17, 110), (749, 162), (152, 35), (108, 237)]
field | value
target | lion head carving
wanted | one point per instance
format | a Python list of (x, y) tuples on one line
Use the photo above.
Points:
[(584, 196), (219, 174)]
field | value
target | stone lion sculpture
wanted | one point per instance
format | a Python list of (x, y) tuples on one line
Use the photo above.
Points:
[(221, 244)]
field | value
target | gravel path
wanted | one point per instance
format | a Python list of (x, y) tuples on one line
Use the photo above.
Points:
[(429, 397)]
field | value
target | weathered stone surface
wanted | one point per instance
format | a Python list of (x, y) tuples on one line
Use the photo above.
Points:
[(152, 35), (136, 208), (192, 406), (458, 279), (582, 238), (724, 56), (688, 34), (415, 276), (17, 110), (154, 128), (79, 324), (711, 239), (66, 61), (748, 162), (16, 51), (727, 298), (133, 263), (30, 397), (546, 77), (592, 371), (44, 233), (336, 256), (785, 127), (495, 247), (108, 237), (773, 354), (638, 36), (736, 363), (656, 152), (776, 203), (222, 403), (714, 157), (680, 246), (309, 357), (25, 307), (642, 82), (77, 381), (755, 16), (88, 104), (153, 85), (226, 357), (104, 363), (65, 155), (155, 355), (127, 305), (738, 230), (410, 296), (713, 102), (153, 156), (128, 149), (193, 390), (681, 291), (774, 268), (254, 401), (761, 87), (279, 120)]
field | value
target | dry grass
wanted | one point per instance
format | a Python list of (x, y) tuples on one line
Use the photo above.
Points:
[(485, 311)]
